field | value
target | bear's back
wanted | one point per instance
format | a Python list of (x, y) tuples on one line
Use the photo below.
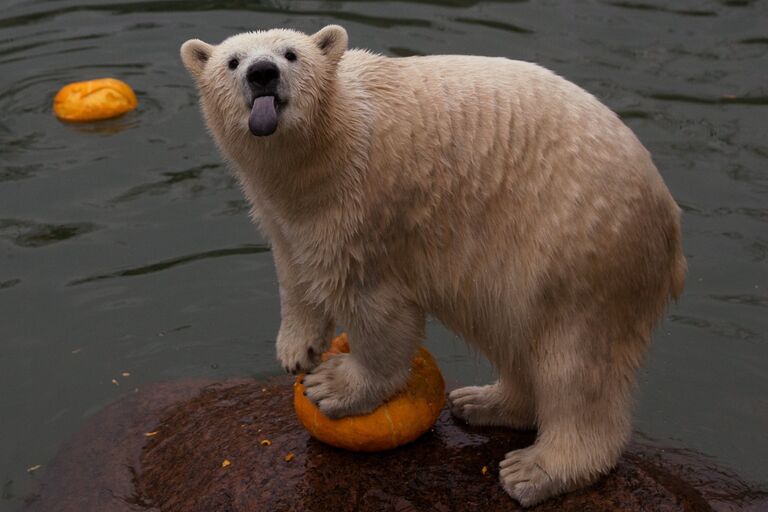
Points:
[(455, 82), (480, 137), (509, 114), (483, 100)]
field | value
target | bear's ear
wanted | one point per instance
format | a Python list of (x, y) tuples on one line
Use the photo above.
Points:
[(332, 41), (195, 54)]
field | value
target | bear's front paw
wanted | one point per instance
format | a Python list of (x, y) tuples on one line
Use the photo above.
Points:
[(339, 387), (299, 355)]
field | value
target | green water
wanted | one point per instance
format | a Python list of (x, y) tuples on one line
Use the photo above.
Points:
[(125, 245)]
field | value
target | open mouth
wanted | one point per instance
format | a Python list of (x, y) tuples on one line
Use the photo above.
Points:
[(262, 120)]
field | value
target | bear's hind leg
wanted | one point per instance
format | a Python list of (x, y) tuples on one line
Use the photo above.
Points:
[(507, 403), (582, 385)]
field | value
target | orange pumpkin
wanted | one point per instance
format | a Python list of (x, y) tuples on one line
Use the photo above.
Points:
[(93, 100), (400, 420)]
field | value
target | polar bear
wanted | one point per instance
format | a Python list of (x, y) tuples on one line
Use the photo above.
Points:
[(490, 193)]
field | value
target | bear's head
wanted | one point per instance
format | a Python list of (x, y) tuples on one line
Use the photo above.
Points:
[(259, 83)]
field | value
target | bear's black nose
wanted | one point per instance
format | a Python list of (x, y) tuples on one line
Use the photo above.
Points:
[(263, 73)]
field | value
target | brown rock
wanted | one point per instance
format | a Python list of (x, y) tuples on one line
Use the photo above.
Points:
[(112, 466)]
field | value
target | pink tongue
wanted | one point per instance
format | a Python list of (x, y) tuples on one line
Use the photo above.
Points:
[(263, 118)]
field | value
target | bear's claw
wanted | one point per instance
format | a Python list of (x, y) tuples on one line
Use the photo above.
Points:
[(299, 356)]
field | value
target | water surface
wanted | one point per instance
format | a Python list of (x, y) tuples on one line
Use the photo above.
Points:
[(125, 245)]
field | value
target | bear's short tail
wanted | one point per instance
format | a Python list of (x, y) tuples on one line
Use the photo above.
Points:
[(679, 265)]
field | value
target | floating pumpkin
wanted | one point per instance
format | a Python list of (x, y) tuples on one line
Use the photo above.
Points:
[(400, 420), (94, 99)]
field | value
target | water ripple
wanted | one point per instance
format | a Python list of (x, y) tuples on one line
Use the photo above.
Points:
[(744, 299), (173, 262), (400, 51), (10, 283), (638, 6), (27, 233), (182, 5), (759, 214), (509, 27), (722, 100), (161, 187), (726, 329), (754, 40)]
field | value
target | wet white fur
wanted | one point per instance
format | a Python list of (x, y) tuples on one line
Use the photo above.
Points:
[(490, 193)]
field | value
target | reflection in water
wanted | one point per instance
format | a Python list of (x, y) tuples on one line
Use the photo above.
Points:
[(106, 126)]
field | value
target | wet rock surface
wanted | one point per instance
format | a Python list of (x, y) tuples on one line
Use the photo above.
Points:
[(112, 465)]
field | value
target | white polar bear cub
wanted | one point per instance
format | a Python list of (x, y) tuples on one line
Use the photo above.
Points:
[(490, 193)]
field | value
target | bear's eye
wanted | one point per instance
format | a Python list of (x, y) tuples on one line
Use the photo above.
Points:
[(289, 55), (233, 63)]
